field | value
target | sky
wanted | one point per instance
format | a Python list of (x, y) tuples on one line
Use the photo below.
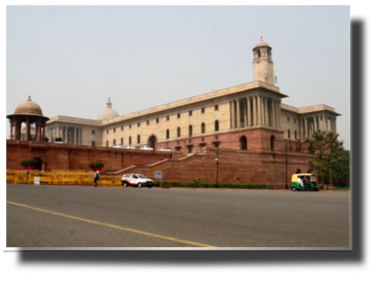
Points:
[(70, 59)]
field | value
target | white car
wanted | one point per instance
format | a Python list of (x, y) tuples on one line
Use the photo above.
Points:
[(164, 149), (145, 147), (117, 146), (196, 153), (57, 140), (128, 147), (136, 180)]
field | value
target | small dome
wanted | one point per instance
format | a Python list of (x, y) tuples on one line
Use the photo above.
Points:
[(262, 43), (28, 107), (107, 113)]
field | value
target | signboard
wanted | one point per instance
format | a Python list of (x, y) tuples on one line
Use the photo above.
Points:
[(37, 180), (158, 174)]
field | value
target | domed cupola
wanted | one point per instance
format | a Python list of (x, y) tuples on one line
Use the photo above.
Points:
[(262, 63), (108, 112), (28, 107)]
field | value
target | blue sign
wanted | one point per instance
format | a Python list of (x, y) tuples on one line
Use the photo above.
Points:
[(158, 175)]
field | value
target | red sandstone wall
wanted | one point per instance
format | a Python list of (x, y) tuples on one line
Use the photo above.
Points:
[(250, 166), (75, 157)]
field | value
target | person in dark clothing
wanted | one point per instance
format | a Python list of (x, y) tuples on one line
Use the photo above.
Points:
[(95, 177)]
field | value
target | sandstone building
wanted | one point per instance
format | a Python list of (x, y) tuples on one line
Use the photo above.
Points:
[(249, 116)]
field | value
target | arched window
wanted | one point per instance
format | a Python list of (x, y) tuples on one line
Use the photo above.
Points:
[(258, 53), (272, 142), (203, 128), (139, 139), (167, 134), (190, 130), (243, 143), (216, 125), (178, 131), (288, 133), (93, 143)]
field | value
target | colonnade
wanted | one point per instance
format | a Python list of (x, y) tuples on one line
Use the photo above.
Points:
[(255, 111), (16, 130), (69, 134), (310, 124)]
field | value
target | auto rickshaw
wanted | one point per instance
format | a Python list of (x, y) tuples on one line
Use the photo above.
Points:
[(311, 185)]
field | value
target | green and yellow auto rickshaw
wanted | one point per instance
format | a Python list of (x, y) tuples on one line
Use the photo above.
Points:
[(307, 182)]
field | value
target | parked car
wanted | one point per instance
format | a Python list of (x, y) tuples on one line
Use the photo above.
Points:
[(196, 153), (164, 149), (136, 180), (117, 146), (145, 147), (57, 140), (128, 147)]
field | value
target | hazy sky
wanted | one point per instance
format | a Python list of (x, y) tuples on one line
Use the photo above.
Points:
[(70, 59)]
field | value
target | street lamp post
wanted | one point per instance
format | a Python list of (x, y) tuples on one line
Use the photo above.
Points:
[(286, 166), (217, 166)]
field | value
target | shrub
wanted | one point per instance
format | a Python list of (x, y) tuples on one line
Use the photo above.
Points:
[(98, 164), (29, 162), (91, 165)]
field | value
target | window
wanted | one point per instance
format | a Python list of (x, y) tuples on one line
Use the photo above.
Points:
[(167, 134), (216, 125), (167, 118), (203, 110), (147, 122), (288, 133), (216, 145), (93, 143), (122, 141), (294, 120), (190, 130), (93, 131), (295, 134), (107, 131), (272, 142), (190, 113), (178, 115), (130, 126), (287, 119), (113, 129), (114, 142), (157, 120), (203, 128), (139, 124), (216, 107), (178, 133), (129, 140), (139, 139), (189, 149), (121, 128), (107, 143)]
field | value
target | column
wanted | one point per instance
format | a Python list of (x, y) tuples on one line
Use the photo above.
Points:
[(11, 127), (249, 117), (37, 132), (279, 112), (75, 136), (266, 111), (67, 134), (258, 110), (335, 125), (245, 115), (27, 130), (237, 113), (274, 113), (306, 127)]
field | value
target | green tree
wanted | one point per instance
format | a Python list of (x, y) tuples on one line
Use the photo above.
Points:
[(331, 156)]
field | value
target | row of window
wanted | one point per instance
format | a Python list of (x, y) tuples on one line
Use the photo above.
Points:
[(216, 107), (295, 134), (294, 120)]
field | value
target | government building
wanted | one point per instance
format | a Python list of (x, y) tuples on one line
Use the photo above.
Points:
[(246, 127), (236, 117)]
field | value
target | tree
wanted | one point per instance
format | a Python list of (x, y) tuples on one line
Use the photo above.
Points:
[(331, 157)]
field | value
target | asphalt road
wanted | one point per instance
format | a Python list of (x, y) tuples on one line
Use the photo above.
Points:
[(81, 216)]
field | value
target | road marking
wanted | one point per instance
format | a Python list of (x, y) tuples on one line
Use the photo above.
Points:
[(117, 227)]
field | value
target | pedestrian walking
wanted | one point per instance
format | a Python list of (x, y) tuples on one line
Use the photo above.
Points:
[(95, 177), (26, 177)]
